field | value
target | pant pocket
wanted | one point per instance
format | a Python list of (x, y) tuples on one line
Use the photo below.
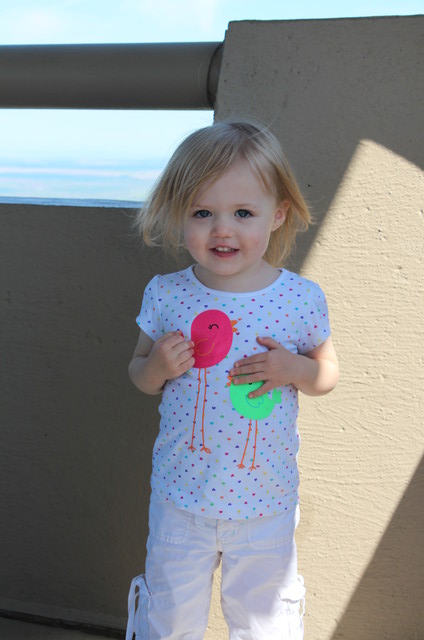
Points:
[(167, 523), (138, 604), (271, 532)]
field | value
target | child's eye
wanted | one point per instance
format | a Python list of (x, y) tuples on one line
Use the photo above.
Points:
[(202, 213), (243, 213)]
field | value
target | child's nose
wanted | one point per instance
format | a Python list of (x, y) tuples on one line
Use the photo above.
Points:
[(222, 227)]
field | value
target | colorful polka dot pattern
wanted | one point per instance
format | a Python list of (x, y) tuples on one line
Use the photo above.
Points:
[(210, 480)]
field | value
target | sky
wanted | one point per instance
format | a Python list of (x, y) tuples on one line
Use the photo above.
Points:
[(69, 153)]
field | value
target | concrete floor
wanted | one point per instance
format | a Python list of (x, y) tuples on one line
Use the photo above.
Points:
[(17, 630)]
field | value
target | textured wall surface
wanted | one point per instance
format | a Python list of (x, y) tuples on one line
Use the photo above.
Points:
[(345, 98), (76, 436)]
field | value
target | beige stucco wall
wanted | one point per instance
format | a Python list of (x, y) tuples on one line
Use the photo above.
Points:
[(345, 97)]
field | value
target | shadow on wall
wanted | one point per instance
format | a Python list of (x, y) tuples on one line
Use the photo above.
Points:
[(396, 572), (327, 96)]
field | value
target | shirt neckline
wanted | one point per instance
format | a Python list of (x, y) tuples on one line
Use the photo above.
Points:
[(192, 276)]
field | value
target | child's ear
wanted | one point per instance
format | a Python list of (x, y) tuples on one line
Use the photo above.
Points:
[(280, 214)]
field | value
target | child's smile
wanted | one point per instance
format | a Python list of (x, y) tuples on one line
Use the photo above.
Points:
[(224, 252), (228, 227)]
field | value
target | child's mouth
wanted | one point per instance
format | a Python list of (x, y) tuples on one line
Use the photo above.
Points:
[(224, 252)]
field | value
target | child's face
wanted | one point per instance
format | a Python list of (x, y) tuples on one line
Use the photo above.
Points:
[(228, 227)]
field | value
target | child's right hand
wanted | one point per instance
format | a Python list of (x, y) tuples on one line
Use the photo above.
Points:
[(171, 355), (155, 362)]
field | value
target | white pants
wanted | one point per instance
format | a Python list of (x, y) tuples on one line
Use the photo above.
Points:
[(262, 596)]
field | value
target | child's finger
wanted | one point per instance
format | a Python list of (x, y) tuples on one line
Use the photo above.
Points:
[(247, 367), (183, 347), (184, 354), (172, 336), (244, 374), (270, 343), (248, 378), (267, 386), (187, 363), (244, 362)]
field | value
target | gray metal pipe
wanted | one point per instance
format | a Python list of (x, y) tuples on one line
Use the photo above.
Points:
[(110, 76)]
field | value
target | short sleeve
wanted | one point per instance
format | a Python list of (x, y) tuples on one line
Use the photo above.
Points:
[(315, 320), (149, 318)]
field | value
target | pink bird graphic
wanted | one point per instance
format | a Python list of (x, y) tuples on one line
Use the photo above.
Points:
[(212, 333)]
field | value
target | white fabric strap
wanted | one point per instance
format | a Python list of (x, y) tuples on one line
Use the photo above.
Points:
[(137, 586)]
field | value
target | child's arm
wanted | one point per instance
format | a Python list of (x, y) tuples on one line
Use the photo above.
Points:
[(153, 363), (315, 373)]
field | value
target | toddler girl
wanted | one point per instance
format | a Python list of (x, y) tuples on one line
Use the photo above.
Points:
[(228, 342)]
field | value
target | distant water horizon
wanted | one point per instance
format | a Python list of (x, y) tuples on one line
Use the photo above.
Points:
[(129, 181)]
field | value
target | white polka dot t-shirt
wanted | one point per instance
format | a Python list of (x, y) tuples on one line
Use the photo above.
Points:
[(219, 453)]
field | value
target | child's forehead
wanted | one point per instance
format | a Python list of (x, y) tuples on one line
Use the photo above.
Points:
[(239, 176)]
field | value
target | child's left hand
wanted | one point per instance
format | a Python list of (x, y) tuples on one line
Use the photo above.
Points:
[(275, 367)]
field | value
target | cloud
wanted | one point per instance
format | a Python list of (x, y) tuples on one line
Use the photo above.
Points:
[(28, 25)]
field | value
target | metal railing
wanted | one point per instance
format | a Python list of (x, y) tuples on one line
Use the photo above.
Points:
[(110, 76)]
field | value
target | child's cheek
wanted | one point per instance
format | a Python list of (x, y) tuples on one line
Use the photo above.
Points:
[(260, 241)]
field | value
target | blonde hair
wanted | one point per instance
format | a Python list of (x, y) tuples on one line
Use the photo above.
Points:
[(205, 155)]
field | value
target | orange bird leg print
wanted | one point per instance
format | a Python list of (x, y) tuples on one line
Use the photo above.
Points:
[(252, 466), (192, 447), (212, 334)]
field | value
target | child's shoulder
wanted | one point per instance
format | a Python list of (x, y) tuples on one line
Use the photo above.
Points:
[(172, 280), (301, 281), (304, 288)]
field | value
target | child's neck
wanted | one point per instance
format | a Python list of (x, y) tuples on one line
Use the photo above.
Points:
[(262, 278)]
